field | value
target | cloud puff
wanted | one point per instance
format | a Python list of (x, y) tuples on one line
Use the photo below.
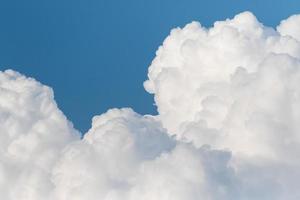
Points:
[(232, 86), (228, 125), (104, 163), (33, 131)]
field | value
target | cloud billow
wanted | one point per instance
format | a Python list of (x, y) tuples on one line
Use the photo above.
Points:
[(228, 123)]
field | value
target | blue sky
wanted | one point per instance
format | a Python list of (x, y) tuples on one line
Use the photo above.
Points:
[(95, 53)]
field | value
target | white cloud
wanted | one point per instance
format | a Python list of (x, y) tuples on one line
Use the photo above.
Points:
[(290, 27), (106, 161), (228, 125), (232, 86), (32, 133)]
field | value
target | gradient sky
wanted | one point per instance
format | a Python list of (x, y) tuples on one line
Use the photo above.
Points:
[(95, 53)]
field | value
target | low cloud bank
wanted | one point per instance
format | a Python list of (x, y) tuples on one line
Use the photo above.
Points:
[(228, 99)]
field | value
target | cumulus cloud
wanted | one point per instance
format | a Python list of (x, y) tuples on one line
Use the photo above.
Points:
[(228, 99), (232, 86), (33, 131)]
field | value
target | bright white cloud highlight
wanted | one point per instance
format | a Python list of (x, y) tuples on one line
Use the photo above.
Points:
[(228, 126), (32, 134), (233, 86)]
